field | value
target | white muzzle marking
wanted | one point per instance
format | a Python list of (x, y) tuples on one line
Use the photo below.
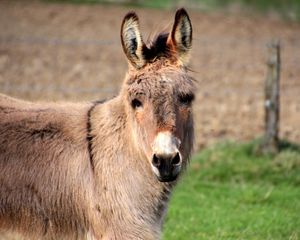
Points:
[(166, 161), (165, 144)]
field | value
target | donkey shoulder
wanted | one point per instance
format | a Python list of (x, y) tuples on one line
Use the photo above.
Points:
[(44, 124)]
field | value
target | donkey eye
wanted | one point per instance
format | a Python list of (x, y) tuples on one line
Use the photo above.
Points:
[(186, 99), (135, 103)]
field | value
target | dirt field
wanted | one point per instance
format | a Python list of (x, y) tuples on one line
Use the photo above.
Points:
[(73, 52)]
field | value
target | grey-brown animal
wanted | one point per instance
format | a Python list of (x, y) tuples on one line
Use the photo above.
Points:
[(102, 170)]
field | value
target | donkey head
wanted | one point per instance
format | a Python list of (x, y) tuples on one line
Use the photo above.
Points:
[(158, 94)]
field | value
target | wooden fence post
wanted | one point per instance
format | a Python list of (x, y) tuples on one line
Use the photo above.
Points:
[(272, 96)]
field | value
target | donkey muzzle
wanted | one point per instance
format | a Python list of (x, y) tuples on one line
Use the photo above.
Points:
[(166, 160), (167, 167)]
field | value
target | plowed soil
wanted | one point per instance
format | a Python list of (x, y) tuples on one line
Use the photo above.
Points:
[(52, 51)]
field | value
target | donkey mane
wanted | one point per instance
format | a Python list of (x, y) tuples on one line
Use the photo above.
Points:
[(89, 136), (157, 47)]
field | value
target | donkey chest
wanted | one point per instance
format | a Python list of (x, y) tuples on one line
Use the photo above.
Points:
[(128, 202)]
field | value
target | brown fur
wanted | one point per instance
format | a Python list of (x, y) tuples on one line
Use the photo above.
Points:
[(82, 171)]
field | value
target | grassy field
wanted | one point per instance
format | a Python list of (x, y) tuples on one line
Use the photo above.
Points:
[(288, 9), (230, 193)]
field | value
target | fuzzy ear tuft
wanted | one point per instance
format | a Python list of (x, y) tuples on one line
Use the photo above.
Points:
[(180, 38), (132, 41)]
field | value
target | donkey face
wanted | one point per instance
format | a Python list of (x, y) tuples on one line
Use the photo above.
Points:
[(158, 94)]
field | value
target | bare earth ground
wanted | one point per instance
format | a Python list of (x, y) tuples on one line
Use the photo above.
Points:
[(72, 52)]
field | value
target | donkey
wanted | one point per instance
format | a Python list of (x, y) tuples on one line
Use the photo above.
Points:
[(102, 170)]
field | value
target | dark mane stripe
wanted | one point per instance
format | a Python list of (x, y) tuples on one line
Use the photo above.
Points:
[(157, 48), (89, 136)]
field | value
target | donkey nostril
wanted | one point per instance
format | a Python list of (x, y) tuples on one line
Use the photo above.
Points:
[(155, 161), (176, 159)]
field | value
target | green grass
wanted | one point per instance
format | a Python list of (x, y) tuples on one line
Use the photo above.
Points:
[(161, 4), (288, 9), (231, 193)]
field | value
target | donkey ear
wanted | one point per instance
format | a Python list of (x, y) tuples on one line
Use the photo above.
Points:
[(132, 41), (180, 38)]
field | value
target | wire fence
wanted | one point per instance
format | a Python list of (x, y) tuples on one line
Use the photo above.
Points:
[(31, 40), (204, 41), (46, 40)]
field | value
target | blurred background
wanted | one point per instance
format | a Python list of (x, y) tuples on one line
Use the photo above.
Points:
[(70, 50)]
